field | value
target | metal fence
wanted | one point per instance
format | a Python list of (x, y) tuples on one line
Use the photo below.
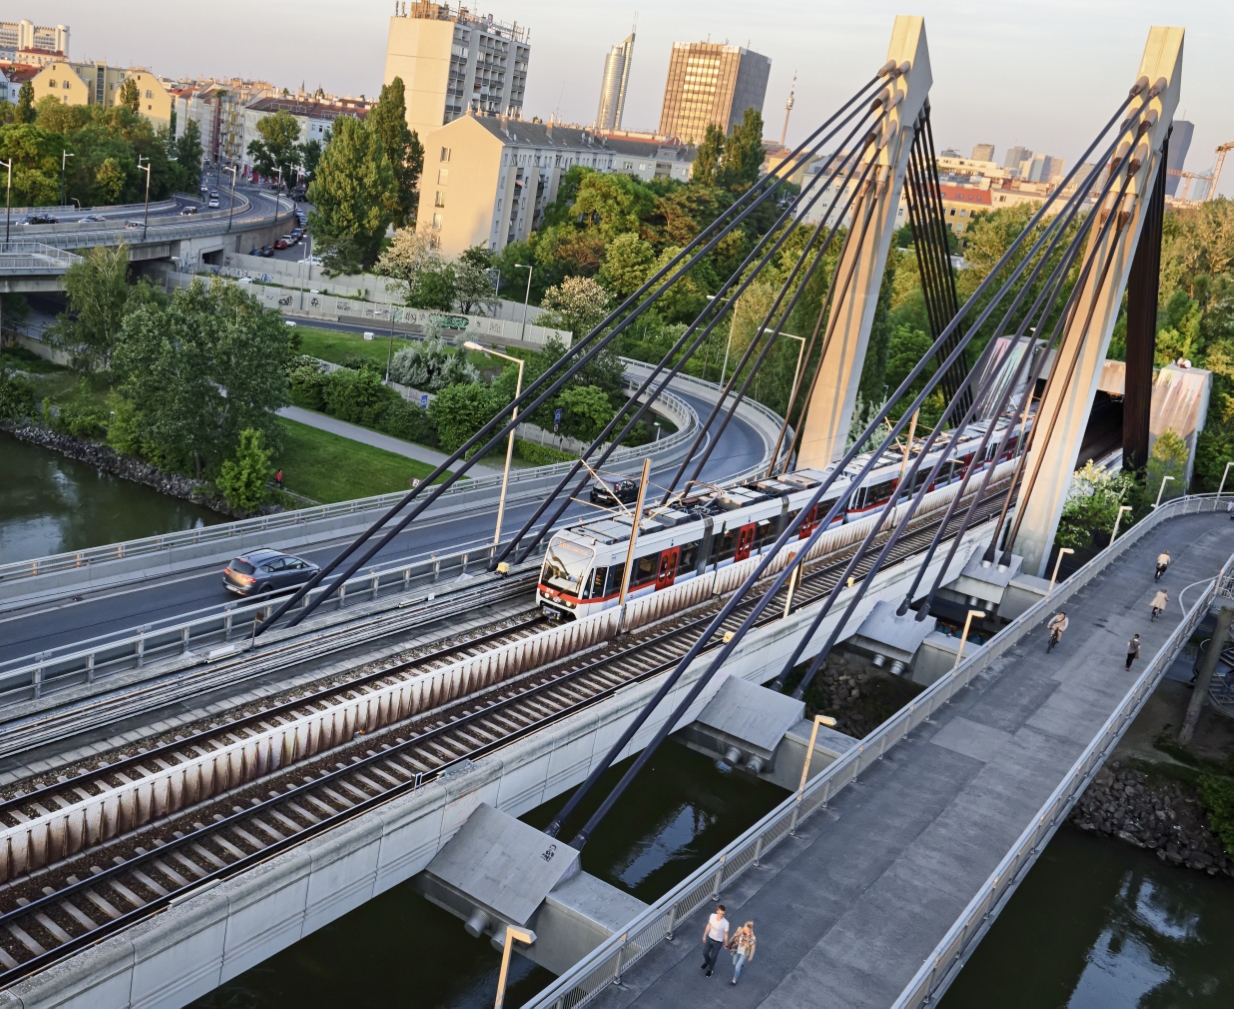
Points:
[(34, 257), (606, 964), (216, 633)]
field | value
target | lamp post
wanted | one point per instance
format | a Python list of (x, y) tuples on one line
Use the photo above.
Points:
[(1058, 564), (1224, 473), (1161, 490), (232, 208), (1118, 521), (522, 333), (8, 199), (729, 342), (145, 223), (512, 934), (968, 620), (277, 192), (792, 396), (518, 388), (64, 156)]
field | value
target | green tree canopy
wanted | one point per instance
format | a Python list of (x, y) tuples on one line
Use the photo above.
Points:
[(243, 478), (278, 150), (189, 152), (576, 304), (129, 96), (353, 193), (388, 120), (98, 295), (459, 411), (24, 113)]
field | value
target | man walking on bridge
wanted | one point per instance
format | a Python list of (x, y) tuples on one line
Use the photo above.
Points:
[(715, 938), (1133, 650)]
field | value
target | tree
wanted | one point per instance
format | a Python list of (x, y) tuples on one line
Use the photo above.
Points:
[(310, 157), (614, 204), (585, 411), (24, 113), (130, 97), (242, 479), (627, 264), (97, 292), (1092, 506), (473, 287), (404, 261), (744, 153), (1167, 458), (576, 304), (710, 154), (188, 150), (352, 194), (459, 411), (388, 120), (430, 366), (278, 150), (35, 154)]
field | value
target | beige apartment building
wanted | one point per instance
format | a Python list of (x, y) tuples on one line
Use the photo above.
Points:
[(487, 179), (711, 83), (99, 84), (33, 45), (219, 109), (453, 62)]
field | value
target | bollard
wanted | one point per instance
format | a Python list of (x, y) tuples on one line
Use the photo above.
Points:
[(141, 648), (184, 638), (342, 592), (620, 950), (436, 566), (90, 668)]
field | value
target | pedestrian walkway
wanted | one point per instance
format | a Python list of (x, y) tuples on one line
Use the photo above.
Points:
[(363, 435), (849, 910)]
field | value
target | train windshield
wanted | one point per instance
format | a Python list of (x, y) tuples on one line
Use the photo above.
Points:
[(565, 564)]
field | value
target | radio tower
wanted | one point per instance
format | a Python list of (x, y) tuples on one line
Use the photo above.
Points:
[(788, 108)]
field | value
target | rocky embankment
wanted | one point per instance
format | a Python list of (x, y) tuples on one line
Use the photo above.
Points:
[(1166, 817), (108, 460), (858, 694)]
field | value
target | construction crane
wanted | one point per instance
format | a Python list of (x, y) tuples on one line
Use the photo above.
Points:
[(1212, 178)]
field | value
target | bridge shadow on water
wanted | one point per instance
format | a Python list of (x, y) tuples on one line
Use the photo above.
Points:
[(400, 950), (1098, 924)]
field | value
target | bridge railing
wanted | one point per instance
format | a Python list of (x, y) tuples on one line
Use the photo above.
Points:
[(606, 964), (220, 631)]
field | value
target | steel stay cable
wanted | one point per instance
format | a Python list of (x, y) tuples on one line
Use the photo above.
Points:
[(676, 369), (793, 525), (758, 194)]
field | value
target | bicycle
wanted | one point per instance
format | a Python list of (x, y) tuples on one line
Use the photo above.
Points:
[(1056, 635)]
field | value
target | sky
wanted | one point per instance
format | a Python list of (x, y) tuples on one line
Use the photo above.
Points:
[(1042, 73)]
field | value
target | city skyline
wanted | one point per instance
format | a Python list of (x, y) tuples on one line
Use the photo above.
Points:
[(833, 47)]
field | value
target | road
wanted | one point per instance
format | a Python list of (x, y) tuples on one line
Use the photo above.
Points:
[(107, 611)]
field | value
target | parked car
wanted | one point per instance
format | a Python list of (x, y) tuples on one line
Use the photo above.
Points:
[(266, 250), (187, 211), (263, 572), (625, 491), (214, 203), (245, 280), (282, 243)]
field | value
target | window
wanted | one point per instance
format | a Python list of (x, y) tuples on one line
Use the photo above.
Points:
[(443, 176), (645, 570), (445, 154), (439, 200), (149, 94), (51, 83), (437, 222)]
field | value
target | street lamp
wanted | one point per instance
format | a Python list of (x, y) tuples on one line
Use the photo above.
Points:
[(1058, 564), (522, 333), (1224, 473), (968, 620), (729, 342), (8, 199), (1161, 490), (511, 935), (792, 396), (232, 208), (145, 168), (1117, 521), (518, 388), (64, 156)]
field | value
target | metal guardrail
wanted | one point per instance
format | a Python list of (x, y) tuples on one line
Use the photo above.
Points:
[(606, 964), (34, 257), (84, 662)]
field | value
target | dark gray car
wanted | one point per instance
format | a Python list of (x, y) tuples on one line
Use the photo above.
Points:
[(260, 572)]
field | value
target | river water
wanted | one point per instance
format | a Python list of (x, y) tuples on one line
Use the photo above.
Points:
[(51, 504)]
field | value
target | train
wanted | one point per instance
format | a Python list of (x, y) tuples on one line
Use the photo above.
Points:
[(584, 563)]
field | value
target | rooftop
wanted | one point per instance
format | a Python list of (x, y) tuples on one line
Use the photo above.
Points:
[(444, 12)]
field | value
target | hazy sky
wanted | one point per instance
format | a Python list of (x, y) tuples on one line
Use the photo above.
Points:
[(1043, 73)]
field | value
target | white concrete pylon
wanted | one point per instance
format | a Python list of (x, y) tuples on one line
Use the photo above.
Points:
[(1084, 341), (860, 273)]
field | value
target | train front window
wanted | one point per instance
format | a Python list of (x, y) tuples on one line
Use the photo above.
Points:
[(565, 565)]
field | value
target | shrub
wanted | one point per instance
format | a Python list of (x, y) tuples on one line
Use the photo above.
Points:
[(124, 428), (17, 399), (242, 480), (540, 455), (357, 397), (308, 384), (1217, 795), (411, 423), (430, 366), (82, 420), (585, 410), (459, 411)]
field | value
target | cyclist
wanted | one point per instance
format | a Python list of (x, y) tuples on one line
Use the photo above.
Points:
[(1160, 601), (1163, 562), (1058, 623)]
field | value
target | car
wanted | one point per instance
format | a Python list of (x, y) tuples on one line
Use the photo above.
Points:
[(37, 219), (214, 194), (92, 219), (133, 225), (266, 251), (214, 203), (263, 572), (282, 243), (203, 189), (187, 211), (625, 491), (245, 280), (289, 322)]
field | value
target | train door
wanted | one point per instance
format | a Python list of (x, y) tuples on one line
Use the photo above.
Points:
[(668, 568), (745, 539)]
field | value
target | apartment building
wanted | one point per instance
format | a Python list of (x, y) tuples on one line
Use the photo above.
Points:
[(453, 62), (100, 84), (614, 84), (487, 179), (316, 116), (218, 107), (983, 152), (32, 45), (710, 83)]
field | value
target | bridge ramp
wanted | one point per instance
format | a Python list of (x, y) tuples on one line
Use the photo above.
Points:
[(849, 910)]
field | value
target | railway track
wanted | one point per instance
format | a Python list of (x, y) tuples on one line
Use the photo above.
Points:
[(75, 900)]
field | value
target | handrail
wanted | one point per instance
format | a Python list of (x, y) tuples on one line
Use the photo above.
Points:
[(605, 964)]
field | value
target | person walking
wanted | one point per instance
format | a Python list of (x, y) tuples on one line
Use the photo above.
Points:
[(278, 479), (1163, 562), (742, 945), (715, 938), (1160, 601), (1058, 623), (1133, 650)]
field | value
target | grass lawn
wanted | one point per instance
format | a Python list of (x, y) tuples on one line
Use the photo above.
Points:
[(340, 348), (326, 468)]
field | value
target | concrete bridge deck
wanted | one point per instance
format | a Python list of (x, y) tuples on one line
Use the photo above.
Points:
[(848, 910)]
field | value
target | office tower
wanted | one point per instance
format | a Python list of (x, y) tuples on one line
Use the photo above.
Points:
[(711, 83), (1015, 156), (613, 87), (983, 152), (453, 61), (1180, 143)]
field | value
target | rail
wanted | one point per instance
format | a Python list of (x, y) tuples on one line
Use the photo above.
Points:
[(607, 963), (34, 257)]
